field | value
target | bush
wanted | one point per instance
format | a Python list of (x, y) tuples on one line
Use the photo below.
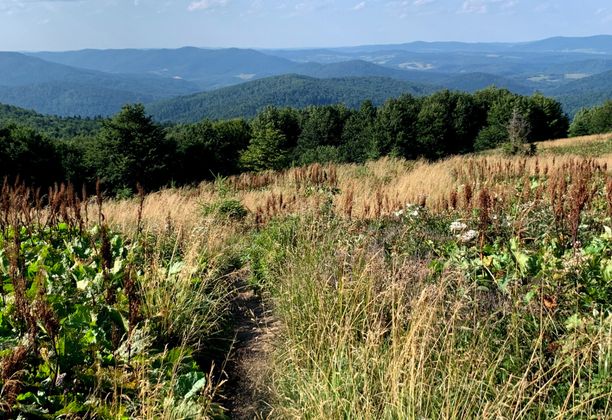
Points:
[(226, 208)]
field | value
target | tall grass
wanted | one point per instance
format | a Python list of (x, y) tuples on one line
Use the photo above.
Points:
[(372, 333), (384, 310)]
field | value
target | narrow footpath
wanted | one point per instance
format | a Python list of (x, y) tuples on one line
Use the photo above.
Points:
[(255, 328)]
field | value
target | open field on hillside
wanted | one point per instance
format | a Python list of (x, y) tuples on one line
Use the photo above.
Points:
[(375, 189), (595, 146), (472, 287)]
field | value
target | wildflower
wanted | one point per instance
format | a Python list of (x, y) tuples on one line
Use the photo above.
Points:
[(468, 236), (457, 226), (399, 213)]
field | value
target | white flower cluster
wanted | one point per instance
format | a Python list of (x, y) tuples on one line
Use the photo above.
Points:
[(458, 228), (468, 236), (411, 210)]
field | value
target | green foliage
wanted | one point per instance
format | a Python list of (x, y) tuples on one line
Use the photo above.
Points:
[(268, 250), (267, 150), (212, 147), (27, 154), (53, 127), (395, 130), (490, 137), (73, 330), (230, 209), (131, 149), (358, 134), (593, 121)]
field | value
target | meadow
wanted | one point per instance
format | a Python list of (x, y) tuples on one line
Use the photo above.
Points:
[(477, 286)]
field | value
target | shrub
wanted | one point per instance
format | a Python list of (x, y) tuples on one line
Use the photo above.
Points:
[(226, 208)]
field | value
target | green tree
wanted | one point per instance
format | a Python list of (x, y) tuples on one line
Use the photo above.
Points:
[(321, 129), (285, 120), (132, 149), (601, 118), (358, 133), (395, 130), (26, 154), (207, 149), (546, 118), (581, 125), (267, 150)]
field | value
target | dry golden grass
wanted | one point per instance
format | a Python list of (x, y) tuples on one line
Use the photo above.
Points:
[(440, 362), (574, 141), (371, 190)]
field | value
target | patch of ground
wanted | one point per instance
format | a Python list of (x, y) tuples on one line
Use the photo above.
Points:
[(255, 329)]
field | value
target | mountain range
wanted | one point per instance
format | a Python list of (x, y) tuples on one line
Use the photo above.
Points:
[(199, 82)]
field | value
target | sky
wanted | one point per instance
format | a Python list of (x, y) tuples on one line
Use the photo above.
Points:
[(55, 25)]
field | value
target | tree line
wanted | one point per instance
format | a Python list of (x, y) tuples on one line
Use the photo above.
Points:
[(132, 148)]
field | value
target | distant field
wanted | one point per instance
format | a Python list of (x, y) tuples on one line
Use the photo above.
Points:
[(596, 145)]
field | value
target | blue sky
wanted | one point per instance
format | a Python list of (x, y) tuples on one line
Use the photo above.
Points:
[(75, 24)]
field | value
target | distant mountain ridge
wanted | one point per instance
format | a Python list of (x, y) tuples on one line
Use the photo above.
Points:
[(209, 68), (52, 88), (98, 82)]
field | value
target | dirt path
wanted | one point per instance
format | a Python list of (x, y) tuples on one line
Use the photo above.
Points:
[(255, 329)]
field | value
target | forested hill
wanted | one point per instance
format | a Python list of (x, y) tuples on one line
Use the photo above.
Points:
[(55, 127), (585, 93), (52, 88), (246, 99), (209, 68)]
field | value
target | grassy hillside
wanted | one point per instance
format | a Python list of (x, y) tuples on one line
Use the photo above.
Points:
[(415, 286), (247, 99), (472, 287)]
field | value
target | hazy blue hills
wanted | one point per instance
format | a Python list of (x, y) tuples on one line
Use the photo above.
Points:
[(209, 68), (298, 91), (99, 82), (246, 99), (69, 99), (586, 92), (20, 70), (63, 90), (472, 82), (598, 44)]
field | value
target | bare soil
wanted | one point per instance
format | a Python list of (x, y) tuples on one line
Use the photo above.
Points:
[(255, 329)]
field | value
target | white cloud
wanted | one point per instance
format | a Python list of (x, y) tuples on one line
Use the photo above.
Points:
[(484, 6), (474, 6), (360, 6), (605, 14), (206, 5), (422, 2)]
